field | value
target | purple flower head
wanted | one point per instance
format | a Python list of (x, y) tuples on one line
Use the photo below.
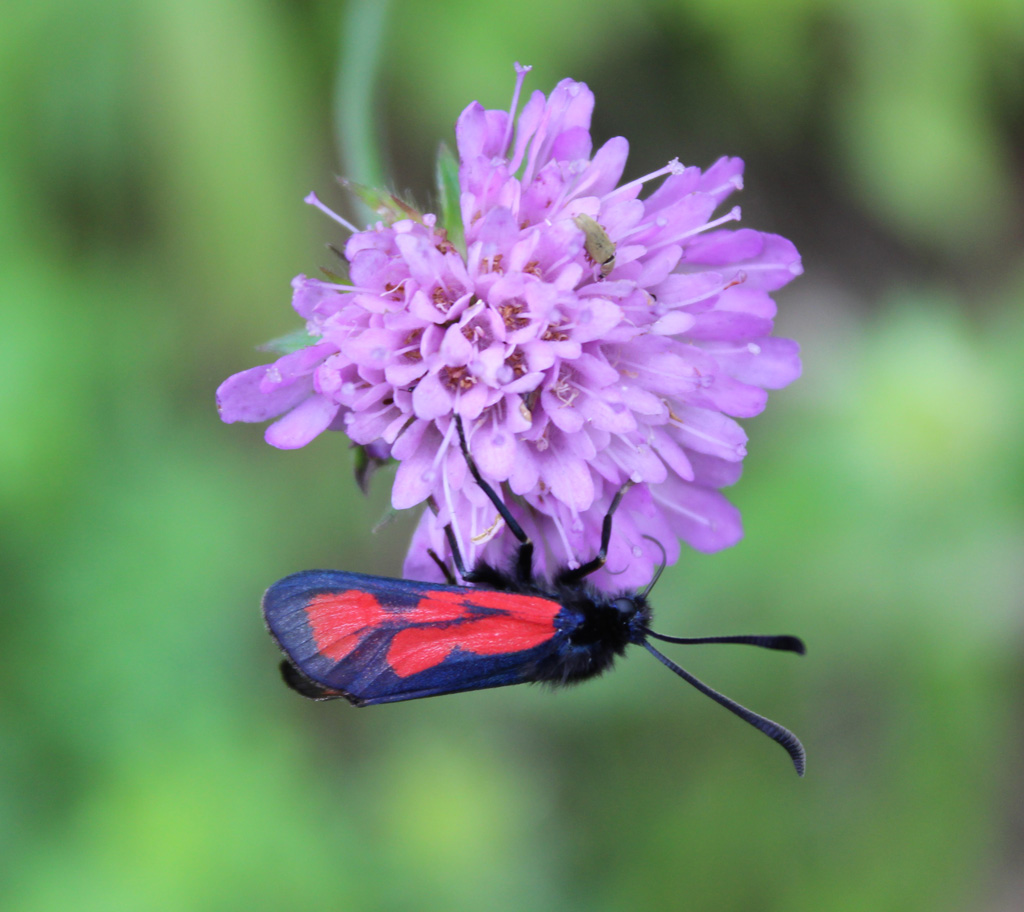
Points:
[(581, 353)]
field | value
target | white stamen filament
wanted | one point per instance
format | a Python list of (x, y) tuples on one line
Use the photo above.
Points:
[(738, 449), (314, 200), (745, 348), (521, 71), (673, 167), (733, 183), (682, 511), (733, 215), (666, 306), (572, 562), (352, 289)]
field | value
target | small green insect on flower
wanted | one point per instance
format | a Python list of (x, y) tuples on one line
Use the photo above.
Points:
[(598, 245)]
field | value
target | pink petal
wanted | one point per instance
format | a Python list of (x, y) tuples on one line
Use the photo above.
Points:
[(302, 423), (700, 516), (240, 397), (771, 363)]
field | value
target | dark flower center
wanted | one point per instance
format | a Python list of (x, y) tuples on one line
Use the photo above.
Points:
[(413, 342), (457, 378), (442, 300), (517, 363), (492, 264), (511, 313)]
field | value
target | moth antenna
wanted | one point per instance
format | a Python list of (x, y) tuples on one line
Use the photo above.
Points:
[(773, 730), (784, 643), (657, 573)]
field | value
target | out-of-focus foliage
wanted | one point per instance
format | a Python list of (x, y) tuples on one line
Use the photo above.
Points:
[(153, 159)]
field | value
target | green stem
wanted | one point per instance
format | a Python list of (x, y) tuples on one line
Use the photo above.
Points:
[(355, 122)]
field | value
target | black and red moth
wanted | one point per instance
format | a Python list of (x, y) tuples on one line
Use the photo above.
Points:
[(373, 639)]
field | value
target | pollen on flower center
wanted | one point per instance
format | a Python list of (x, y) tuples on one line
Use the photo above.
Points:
[(511, 313), (516, 363), (442, 299), (564, 391), (492, 264), (457, 378)]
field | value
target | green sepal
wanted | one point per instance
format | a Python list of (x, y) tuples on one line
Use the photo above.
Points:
[(290, 342), (388, 206), (448, 192), (366, 466), (337, 272)]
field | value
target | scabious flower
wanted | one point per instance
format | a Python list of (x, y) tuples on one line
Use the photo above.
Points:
[(572, 377)]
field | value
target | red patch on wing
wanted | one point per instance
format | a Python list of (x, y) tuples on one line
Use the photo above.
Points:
[(528, 621), (440, 607), (338, 620)]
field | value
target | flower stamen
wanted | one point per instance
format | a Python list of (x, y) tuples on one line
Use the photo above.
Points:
[(314, 200), (521, 71), (458, 378)]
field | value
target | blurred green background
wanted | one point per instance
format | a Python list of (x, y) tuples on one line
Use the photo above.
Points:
[(153, 160)]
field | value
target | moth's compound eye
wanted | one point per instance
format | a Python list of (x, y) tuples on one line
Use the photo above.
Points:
[(625, 604)]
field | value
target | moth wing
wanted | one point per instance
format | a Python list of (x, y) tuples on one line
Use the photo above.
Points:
[(379, 640)]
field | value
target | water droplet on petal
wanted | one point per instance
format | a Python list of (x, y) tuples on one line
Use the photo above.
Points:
[(638, 551), (273, 374), (430, 476), (753, 348)]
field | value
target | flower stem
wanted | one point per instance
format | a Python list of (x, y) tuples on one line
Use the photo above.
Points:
[(355, 120)]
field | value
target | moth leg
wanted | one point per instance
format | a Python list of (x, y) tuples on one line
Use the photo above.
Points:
[(524, 559), (449, 534), (449, 577), (574, 576)]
